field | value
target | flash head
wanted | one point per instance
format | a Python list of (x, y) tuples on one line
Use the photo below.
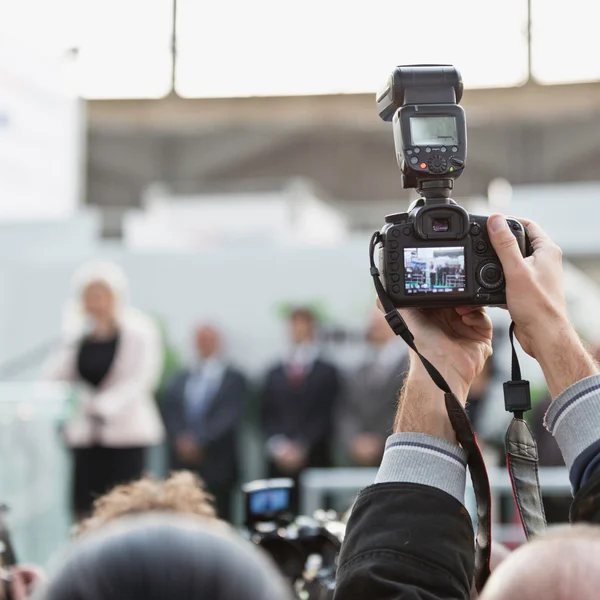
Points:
[(419, 84)]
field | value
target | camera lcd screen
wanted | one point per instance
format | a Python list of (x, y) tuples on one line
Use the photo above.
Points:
[(433, 131), (434, 270), (269, 500)]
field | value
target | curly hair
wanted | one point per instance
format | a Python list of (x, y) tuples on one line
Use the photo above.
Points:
[(182, 493)]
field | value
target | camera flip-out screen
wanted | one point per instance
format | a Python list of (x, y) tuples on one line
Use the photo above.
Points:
[(433, 131), (434, 270)]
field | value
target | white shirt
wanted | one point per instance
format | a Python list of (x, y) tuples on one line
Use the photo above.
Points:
[(303, 356)]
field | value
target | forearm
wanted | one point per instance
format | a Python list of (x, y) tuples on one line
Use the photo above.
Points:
[(421, 408), (563, 358)]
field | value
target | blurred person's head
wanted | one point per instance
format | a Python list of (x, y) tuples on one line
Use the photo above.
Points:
[(100, 294), (379, 332), (559, 565), (182, 492), (208, 341), (99, 301), (303, 325), (159, 557)]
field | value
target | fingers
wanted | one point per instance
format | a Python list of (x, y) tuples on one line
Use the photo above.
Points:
[(463, 310), (478, 319), (505, 244), (537, 236)]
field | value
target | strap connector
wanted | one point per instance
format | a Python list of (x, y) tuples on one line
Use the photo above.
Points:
[(374, 271), (398, 325), (517, 397)]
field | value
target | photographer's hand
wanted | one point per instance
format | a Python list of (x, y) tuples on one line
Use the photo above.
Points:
[(536, 302), (457, 342)]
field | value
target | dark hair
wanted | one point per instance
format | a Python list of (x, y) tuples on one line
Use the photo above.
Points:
[(160, 557)]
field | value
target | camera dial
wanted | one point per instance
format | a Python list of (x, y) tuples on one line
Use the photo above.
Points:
[(490, 276)]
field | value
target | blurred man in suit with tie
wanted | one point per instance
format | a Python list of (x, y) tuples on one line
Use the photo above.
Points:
[(298, 402), (366, 413), (202, 408)]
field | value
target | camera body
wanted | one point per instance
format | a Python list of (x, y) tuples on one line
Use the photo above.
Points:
[(304, 548), (440, 255), (436, 254)]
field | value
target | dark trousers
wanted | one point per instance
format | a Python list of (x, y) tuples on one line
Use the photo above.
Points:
[(222, 491), (98, 469)]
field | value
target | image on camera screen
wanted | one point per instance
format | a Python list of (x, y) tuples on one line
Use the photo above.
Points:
[(434, 270), (433, 131), (270, 500)]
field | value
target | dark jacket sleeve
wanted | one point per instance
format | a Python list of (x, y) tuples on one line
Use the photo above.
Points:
[(317, 424), (170, 404), (586, 504), (406, 541), (268, 412)]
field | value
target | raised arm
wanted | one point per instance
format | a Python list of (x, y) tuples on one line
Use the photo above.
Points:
[(410, 535)]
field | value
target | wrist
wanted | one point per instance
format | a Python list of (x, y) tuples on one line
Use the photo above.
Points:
[(562, 357), (420, 378), (422, 407)]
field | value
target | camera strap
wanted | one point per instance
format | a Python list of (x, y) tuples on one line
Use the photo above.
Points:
[(460, 422), (521, 450)]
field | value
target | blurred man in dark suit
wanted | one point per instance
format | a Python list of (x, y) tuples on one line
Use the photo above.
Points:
[(366, 414), (202, 407), (298, 402)]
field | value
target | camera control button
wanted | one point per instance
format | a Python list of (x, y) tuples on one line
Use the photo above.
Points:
[(395, 288), (396, 233), (490, 276), (475, 229), (395, 278), (428, 149), (483, 297), (480, 246), (457, 162), (443, 149), (393, 256), (454, 149), (416, 150), (409, 152), (414, 160), (406, 231), (437, 163), (393, 244)]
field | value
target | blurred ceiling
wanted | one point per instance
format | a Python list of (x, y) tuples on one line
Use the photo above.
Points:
[(529, 134)]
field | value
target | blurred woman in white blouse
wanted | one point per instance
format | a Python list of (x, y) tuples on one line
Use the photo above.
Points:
[(113, 354)]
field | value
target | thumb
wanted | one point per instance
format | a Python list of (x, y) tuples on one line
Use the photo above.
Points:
[(504, 243)]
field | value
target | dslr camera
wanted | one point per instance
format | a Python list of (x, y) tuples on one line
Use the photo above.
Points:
[(304, 548), (436, 254)]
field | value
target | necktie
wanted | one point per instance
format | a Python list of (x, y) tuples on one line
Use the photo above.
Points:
[(296, 373)]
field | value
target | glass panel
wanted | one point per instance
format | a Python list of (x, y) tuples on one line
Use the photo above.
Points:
[(34, 468), (269, 47)]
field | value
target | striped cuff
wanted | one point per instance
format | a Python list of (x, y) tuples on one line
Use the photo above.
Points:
[(425, 459), (574, 418)]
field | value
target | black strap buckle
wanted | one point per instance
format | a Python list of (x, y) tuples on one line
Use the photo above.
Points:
[(517, 397), (398, 324)]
